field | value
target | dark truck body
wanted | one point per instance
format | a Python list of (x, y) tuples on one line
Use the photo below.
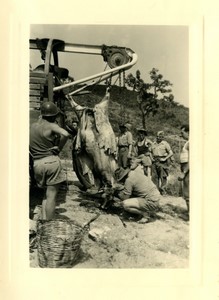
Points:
[(45, 79)]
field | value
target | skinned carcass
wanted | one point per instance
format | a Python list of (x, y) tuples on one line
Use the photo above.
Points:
[(94, 148)]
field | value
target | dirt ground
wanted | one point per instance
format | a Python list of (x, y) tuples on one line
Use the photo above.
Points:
[(115, 240)]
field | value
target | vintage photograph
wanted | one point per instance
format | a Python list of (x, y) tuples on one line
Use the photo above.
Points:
[(109, 146)]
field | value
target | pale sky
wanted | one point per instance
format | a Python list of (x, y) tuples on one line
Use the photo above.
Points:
[(163, 47)]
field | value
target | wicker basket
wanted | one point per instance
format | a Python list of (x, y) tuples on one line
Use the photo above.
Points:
[(58, 243)]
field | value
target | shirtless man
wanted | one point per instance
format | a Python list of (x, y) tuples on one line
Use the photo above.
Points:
[(47, 139)]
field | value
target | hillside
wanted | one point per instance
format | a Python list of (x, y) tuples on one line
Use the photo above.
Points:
[(124, 108)]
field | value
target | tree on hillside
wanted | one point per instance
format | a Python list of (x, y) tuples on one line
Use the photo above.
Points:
[(148, 94)]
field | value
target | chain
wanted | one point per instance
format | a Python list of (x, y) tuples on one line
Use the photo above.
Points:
[(122, 107), (120, 81), (109, 81), (123, 96), (123, 79)]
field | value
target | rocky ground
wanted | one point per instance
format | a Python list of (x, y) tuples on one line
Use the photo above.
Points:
[(114, 239)]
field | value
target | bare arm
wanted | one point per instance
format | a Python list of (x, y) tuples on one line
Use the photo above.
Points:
[(150, 144), (184, 172), (169, 151), (130, 140), (130, 151), (127, 191), (63, 136), (169, 155), (117, 148), (59, 130)]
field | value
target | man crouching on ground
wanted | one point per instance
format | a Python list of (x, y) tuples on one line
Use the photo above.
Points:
[(44, 151), (140, 195)]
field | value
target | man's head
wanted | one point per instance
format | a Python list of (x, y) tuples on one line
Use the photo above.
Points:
[(184, 133), (160, 136), (135, 162), (49, 111), (128, 126), (121, 174), (122, 128), (142, 133), (74, 124)]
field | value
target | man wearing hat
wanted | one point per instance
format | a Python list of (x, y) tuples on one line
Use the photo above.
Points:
[(140, 195), (47, 139), (161, 152), (124, 145), (143, 150)]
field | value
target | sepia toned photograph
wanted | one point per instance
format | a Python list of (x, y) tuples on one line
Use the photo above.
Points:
[(106, 97), (109, 146)]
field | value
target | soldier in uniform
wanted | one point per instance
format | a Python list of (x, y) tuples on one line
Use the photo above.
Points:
[(124, 146), (161, 152)]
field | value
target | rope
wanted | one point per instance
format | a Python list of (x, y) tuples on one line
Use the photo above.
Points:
[(66, 174)]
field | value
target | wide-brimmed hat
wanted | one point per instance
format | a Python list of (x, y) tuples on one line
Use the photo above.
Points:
[(142, 130), (128, 126), (138, 159), (120, 173)]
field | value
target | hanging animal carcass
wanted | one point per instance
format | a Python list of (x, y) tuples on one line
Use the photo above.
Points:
[(94, 148)]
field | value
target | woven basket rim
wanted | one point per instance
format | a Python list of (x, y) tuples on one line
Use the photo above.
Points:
[(59, 221)]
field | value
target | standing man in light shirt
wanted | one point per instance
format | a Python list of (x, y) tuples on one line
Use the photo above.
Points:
[(124, 146), (184, 163), (161, 152)]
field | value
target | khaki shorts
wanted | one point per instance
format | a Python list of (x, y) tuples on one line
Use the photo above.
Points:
[(48, 171), (142, 204), (148, 205)]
